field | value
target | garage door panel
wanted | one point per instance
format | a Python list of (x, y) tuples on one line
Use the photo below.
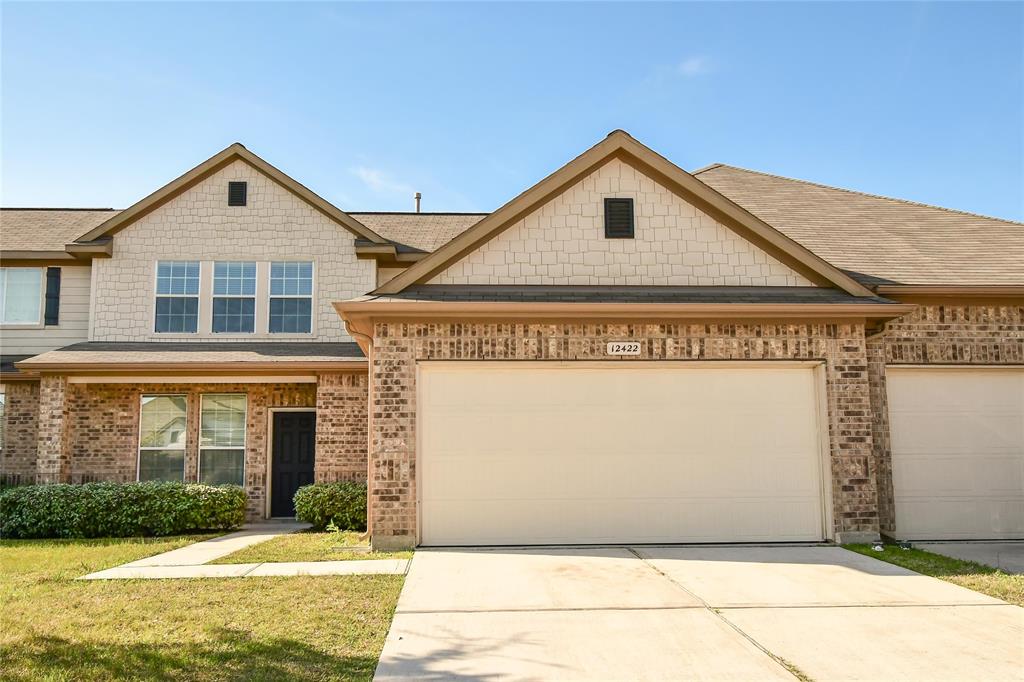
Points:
[(530, 455), (957, 452)]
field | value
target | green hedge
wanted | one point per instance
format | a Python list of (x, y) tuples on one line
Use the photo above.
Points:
[(94, 510), (343, 503)]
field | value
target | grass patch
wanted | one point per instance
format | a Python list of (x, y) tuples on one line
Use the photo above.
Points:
[(973, 576), (53, 627), (309, 546)]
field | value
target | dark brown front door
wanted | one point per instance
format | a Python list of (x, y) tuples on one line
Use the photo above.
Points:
[(292, 465)]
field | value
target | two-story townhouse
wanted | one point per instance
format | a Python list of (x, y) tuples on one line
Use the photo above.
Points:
[(625, 352)]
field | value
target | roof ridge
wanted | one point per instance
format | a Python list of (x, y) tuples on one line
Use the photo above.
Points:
[(863, 194), (55, 208)]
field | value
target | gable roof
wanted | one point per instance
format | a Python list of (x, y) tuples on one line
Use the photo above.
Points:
[(47, 229), (621, 145), (889, 239), (216, 162)]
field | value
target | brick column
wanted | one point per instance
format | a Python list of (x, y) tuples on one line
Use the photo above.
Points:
[(341, 427), (53, 458), (21, 437)]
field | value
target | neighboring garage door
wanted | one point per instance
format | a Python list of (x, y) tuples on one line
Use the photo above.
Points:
[(535, 453), (957, 452)]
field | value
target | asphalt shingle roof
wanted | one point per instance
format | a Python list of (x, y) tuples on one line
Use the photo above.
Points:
[(625, 294), (47, 229), (188, 353), (423, 231), (889, 239)]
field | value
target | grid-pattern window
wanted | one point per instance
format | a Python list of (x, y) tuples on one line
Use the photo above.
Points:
[(222, 439), (234, 297), (163, 430), (291, 297), (21, 295), (177, 297)]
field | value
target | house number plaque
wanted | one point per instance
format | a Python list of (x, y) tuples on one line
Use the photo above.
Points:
[(623, 348)]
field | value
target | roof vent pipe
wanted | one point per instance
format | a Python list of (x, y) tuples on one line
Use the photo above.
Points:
[(418, 197)]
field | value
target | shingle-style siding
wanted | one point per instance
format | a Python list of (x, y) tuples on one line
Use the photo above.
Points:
[(563, 242), (935, 335), (21, 412), (398, 347), (102, 422), (73, 318), (199, 225)]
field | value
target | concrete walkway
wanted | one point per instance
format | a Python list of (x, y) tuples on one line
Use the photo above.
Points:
[(210, 550), (1006, 556), (192, 561), (711, 613), (291, 568)]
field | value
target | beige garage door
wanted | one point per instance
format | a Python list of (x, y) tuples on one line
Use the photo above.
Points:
[(957, 452), (545, 453)]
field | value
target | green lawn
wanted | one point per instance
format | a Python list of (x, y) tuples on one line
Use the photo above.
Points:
[(304, 628), (309, 546), (977, 577)]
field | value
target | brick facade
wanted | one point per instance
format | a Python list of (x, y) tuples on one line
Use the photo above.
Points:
[(935, 335), (341, 402), (91, 431), (399, 346), (21, 432)]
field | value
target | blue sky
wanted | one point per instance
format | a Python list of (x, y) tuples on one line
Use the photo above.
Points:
[(473, 103)]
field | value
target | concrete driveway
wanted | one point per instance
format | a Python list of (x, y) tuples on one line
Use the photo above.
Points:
[(688, 613)]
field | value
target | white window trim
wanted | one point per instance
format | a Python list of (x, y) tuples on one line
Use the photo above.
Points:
[(152, 322), (140, 448), (204, 329), (311, 296), (255, 296), (245, 436), (39, 323)]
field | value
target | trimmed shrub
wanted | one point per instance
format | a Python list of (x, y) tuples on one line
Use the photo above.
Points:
[(344, 503), (94, 510)]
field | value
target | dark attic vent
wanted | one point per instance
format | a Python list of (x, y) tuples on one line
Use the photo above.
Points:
[(618, 218), (237, 193)]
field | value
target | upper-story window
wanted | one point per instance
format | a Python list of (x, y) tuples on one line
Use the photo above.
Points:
[(291, 297), (234, 297), (21, 295), (177, 297)]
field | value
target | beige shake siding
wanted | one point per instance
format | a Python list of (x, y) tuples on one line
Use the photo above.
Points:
[(199, 225), (563, 243)]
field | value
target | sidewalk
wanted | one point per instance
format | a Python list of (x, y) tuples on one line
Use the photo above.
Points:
[(208, 550), (193, 561)]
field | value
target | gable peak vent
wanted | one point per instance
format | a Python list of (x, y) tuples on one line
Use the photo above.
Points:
[(237, 191), (618, 218)]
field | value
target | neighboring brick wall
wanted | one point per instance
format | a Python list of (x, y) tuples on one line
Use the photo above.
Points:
[(21, 433), (341, 404), (104, 418), (563, 242), (935, 335), (397, 348), (199, 225)]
